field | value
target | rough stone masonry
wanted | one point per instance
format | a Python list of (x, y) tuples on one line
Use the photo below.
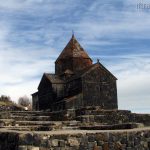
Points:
[(77, 83)]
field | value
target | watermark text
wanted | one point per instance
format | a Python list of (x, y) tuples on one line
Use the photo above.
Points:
[(143, 6)]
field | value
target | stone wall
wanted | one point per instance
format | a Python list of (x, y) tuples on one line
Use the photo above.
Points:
[(144, 118), (92, 116), (95, 140), (99, 88), (111, 116), (9, 141), (135, 140)]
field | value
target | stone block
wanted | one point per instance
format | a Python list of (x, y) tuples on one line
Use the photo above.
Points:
[(83, 147), (44, 148), (91, 137), (101, 137), (105, 146), (118, 146), (32, 148), (44, 143), (73, 141), (84, 140), (37, 140), (61, 143), (22, 147), (145, 144), (12, 137), (97, 148), (136, 141), (54, 142), (26, 139), (92, 145), (58, 148)]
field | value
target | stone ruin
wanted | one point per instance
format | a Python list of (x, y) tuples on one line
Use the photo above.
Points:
[(71, 122), (74, 129)]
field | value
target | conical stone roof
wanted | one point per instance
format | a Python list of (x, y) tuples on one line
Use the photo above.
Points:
[(73, 49)]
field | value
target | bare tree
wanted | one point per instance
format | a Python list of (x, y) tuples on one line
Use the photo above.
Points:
[(5, 98), (24, 101)]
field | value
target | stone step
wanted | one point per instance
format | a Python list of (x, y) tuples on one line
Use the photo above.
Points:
[(42, 126), (30, 128), (28, 113), (113, 127), (7, 122), (31, 118), (92, 118), (100, 112), (26, 123), (109, 119), (70, 128), (56, 123)]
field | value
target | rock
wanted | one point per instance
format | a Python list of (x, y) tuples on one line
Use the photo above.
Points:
[(118, 146), (97, 148), (22, 148), (61, 143), (54, 142), (32, 148), (91, 145), (101, 137), (145, 144), (37, 140), (91, 138), (73, 142), (105, 146)]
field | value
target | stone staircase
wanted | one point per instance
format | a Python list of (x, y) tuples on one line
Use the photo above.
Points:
[(91, 118), (34, 121), (108, 117)]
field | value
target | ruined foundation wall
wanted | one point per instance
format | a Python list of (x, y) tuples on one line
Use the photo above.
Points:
[(115, 140)]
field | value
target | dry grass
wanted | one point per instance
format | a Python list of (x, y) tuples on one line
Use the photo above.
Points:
[(2, 103)]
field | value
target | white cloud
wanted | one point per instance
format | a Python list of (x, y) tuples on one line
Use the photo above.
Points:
[(20, 67), (103, 20), (133, 83)]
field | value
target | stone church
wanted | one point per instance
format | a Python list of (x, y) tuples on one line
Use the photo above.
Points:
[(77, 83)]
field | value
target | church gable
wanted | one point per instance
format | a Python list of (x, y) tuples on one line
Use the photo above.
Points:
[(98, 73), (45, 82), (99, 87)]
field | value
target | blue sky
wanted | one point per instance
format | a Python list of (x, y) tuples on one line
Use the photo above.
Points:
[(34, 32)]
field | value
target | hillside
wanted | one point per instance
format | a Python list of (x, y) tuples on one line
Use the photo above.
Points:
[(9, 106)]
